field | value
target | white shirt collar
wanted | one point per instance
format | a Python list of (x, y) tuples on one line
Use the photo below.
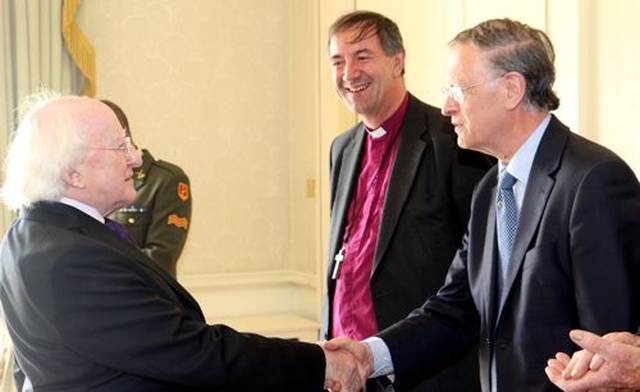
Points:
[(87, 209), (520, 164)]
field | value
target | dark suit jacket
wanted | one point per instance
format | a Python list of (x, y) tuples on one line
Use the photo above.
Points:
[(424, 217), (575, 264), (88, 312), (160, 216)]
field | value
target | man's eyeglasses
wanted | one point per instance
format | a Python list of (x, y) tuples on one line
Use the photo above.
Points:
[(457, 93), (128, 147)]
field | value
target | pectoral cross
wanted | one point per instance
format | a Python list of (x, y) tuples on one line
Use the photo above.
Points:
[(338, 263)]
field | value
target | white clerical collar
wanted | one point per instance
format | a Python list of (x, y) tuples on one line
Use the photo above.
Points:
[(376, 133)]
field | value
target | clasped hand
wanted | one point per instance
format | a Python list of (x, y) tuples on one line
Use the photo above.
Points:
[(607, 363), (349, 363)]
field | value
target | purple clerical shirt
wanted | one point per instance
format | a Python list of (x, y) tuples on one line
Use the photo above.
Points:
[(353, 314)]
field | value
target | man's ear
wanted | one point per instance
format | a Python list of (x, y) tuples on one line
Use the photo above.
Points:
[(73, 179), (516, 88), (398, 65)]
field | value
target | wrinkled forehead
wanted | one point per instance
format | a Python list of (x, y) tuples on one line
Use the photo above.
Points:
[(466, 60)]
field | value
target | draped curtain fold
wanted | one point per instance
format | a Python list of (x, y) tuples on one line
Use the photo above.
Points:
[(79, 46)]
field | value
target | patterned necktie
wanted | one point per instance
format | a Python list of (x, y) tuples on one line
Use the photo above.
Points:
[(507, 220), (120, 230)]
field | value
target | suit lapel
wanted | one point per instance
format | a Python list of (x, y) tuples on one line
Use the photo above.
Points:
[(490, 252), (72, 219), (482, 272), (140, 257), (411, 147), (539, 187), (344, 187)]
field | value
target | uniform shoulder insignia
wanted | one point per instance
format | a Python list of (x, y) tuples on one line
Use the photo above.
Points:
[(183, 191), (178, 221)]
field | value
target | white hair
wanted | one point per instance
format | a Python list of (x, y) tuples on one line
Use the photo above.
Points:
[(45, 144)]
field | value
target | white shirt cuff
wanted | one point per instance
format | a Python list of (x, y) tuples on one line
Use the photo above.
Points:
[(382, 364)]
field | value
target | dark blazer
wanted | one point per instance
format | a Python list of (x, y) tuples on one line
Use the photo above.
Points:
[(89, 312), (160, 216), (424, 217), (575, 264)]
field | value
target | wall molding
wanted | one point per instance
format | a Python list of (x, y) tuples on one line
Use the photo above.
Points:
[(275, 303), (260, 278)]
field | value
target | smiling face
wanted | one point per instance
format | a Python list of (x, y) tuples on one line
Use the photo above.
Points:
[(103, 179), (369, 81)]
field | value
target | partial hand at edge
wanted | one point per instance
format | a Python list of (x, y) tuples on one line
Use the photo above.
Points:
[(606, 363)]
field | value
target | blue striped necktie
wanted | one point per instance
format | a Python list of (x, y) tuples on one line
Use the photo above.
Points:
[(507, 213)]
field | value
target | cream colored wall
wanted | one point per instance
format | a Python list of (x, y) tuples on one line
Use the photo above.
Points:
[(217, 87), (239, 94), (209, 85), (612, 61)]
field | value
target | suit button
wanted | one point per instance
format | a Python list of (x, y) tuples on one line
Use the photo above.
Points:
[(487, 342)]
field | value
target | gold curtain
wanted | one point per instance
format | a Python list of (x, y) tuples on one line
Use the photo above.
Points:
[(79, 46)]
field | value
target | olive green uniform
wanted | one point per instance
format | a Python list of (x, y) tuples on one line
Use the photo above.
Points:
[(159, 218)]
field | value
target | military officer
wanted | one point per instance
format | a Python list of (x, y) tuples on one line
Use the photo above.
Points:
[(159, 218)]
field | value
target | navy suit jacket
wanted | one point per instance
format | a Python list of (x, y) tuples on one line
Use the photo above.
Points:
[(575, 264), (425, 214), (89, 312)]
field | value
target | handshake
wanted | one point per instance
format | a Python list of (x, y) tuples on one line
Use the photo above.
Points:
[(348, 364)]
